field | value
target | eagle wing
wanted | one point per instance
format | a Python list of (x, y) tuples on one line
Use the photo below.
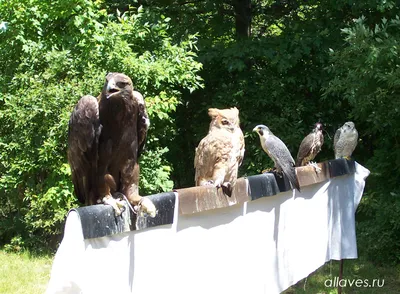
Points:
[(143, 121), (83, 137)]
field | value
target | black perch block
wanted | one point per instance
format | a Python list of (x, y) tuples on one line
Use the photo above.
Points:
[(262, 185), (99, 220)]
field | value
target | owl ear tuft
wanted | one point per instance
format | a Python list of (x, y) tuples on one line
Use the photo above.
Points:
[(235, 110), (213, 112)]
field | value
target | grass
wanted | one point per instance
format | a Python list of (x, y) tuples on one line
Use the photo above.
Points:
[(24, 273), (364, 270)]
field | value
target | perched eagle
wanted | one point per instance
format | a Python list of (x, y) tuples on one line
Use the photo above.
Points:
[(310, 147), (105, 138), (279, 153), (220, 153)]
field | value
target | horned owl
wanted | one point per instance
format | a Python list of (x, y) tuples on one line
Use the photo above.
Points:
[(345, 140), (221, 152)]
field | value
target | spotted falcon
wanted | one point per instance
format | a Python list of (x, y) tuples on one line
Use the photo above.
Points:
[(310, 147)]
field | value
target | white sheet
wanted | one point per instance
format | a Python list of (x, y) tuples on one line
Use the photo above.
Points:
[(263, 246)]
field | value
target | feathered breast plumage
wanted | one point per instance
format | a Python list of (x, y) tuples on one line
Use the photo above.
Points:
[(220, 153)]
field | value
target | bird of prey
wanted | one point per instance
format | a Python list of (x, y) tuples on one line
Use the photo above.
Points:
[(310, 147), (345, 140), (105, 139), (220, 153), (279, 153)]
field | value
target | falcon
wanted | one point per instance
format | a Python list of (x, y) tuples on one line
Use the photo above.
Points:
[(310, 147), (105, 139), (345, 140), (220, 153), (279, 153)]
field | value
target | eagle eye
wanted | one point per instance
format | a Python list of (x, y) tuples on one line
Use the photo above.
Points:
[(122, 84)]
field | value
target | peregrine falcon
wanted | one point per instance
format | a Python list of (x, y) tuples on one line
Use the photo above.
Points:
[(310, 147), (279, 153), (345, 140)]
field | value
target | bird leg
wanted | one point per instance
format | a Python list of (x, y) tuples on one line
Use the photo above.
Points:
[(315, 166), (117, 204), (268, 170), (145, 206)]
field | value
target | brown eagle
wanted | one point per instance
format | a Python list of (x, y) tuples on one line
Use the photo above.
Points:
[(105, 139)]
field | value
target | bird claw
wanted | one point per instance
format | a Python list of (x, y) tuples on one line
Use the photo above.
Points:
[(315, 166), (227, 188), (145, 206), (268, 170), (117, 204), (209, 183)]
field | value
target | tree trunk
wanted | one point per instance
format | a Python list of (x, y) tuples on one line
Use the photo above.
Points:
[(242, 18)]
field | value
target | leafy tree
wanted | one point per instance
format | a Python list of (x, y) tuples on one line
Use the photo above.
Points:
[(53, 56), (367, 76)]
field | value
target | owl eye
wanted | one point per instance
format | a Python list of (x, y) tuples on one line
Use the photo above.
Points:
[(225, 122)]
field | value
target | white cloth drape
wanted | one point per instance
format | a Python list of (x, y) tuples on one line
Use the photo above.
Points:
[(262, 246)]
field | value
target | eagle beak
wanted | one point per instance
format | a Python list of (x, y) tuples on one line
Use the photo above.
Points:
[(111, 88), (255, 129)]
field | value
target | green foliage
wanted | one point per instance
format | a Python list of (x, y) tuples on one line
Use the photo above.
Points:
[(53, 56), (332, 61), (367, 76)]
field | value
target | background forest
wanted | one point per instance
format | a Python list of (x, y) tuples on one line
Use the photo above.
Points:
[(284, 63)]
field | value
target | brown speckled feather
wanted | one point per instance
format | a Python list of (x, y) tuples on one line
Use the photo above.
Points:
[(220, 153)]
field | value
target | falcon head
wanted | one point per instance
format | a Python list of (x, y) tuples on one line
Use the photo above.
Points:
[(117, 85), (318, 127), (262, 131), (348, 127), (225, 119)]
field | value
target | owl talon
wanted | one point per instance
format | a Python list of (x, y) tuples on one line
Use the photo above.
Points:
[(227, 188)]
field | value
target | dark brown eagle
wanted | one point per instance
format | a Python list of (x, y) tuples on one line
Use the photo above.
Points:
[(310, 147), (105, 139)]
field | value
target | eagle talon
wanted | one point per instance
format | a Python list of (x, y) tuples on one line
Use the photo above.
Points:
[(117, 204), (145, 207)]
